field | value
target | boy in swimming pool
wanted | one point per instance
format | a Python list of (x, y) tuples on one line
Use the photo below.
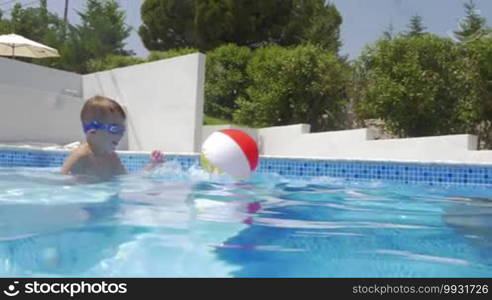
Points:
[(103, 121)]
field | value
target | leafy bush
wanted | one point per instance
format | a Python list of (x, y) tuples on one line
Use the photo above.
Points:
[(226, 79), (112, 62), (305, 84), (117, 61), (480, 50), (158, 55), (421, 85)]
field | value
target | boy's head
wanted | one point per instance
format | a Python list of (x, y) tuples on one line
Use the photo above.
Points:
[(101, 109), (103, 120)]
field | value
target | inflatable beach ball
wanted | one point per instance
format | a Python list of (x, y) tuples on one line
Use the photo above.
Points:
[(230, 151)]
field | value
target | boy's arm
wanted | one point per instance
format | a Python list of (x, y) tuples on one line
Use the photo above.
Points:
[(120, 168), (156, 159), (73, 164)]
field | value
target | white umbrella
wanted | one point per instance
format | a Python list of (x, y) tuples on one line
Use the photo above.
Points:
[(15, 45)]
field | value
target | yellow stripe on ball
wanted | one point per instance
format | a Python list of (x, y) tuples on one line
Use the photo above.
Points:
[(209, 167)]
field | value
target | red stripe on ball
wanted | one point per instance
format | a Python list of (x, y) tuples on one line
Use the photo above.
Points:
[(247, 145)]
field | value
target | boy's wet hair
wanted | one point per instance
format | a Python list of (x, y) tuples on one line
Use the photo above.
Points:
[(98, 108)]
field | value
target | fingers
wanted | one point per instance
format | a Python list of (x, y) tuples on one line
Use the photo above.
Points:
[(157, 156)]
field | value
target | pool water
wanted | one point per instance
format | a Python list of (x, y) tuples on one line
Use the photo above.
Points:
[(186, 223)]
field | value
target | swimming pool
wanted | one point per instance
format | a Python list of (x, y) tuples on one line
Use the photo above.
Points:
[(293, 218)]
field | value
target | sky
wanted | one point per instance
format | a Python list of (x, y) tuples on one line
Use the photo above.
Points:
[(363, 20), (131, 7)]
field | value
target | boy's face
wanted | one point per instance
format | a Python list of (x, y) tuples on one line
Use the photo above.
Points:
[(103, 141)]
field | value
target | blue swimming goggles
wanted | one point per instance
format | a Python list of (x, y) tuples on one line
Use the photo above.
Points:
[(111, 128)]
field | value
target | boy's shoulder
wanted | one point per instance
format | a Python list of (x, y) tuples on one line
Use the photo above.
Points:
[(115, 156), (80, 152), (76, 161)]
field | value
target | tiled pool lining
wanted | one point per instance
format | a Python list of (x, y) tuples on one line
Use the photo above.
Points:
[(402, 172)]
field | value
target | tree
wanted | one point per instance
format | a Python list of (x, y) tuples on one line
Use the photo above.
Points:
[(473, 25), (35, 23), (206, 24), (389, 32), (416, 26), (420, 86), (101, 33), (103, 28), (4, 24), (314, 22), (167, 24), (305, 84)]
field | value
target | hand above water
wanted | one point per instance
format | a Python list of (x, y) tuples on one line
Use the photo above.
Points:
[(156, 159)]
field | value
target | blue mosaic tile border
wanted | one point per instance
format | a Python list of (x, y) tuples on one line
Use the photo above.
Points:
[(135, 162), (402, 172), (53, 159), (31, 158)]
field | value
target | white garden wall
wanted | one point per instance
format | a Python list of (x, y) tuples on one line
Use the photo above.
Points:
[(38, 104), (164, 101), (297, 141)]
